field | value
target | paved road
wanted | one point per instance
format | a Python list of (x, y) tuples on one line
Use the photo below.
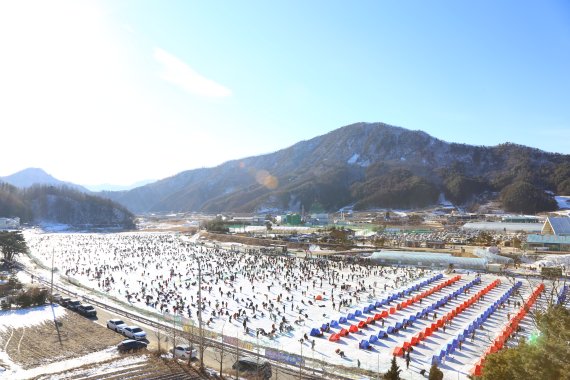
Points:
[(211, 356)]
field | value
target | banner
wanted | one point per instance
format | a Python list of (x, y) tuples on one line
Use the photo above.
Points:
[(284, 357), (235, 342)]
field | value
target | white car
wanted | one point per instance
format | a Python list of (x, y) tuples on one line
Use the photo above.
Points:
[(184, 352), (134, 332), (116, 325)]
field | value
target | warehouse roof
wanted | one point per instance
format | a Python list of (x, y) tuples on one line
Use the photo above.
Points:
[(557, 226)]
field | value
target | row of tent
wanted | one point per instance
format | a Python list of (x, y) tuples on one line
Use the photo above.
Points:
[(365, 344), (378, 304), (562, 295), (386, 313), (511, 327), (454, 344), (399, 350), (432, 307)]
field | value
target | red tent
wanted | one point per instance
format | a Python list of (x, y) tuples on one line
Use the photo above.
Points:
[(319, 297), (370, 321), (477, 370), (377, 316), (384, 314), (361, 325), (392, 310), (353, 328), (343, 332), (334, 338), (415, 341)]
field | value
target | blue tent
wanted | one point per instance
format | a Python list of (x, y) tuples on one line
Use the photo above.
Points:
[(315, 332), (364, 344)]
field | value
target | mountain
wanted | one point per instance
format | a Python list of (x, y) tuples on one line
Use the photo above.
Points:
[(62, 205), (35, 176), (111, 187), (367, 165)]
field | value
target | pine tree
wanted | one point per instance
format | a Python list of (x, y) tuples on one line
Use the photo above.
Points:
[(394, 372), (435, 373)]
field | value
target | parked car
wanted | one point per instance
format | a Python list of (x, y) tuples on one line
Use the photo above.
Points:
[(116, 325), (134, 332), (64, 301), (253, 365), (131, 345), (87, 311), (184, 352), (73, 304)]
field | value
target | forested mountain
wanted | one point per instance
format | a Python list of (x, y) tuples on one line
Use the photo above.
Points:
[(368, 165), (53, 204)]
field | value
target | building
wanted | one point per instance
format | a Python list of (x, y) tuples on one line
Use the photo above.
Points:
[(555, 236), (548, 242), (291, 219), (559, 226), (9, 223)]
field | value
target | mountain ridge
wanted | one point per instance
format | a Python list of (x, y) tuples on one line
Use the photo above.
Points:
[(365, 164)]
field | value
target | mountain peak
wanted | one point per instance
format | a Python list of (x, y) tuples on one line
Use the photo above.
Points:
[(36, 176)]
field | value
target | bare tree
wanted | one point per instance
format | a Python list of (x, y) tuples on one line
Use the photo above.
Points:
[(220, 354)]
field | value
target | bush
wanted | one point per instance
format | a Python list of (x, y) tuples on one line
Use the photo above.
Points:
[(435, 373), (32, 297), (24, 299)]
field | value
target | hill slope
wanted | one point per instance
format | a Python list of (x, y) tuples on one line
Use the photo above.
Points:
[(366, 164), (62, 205)]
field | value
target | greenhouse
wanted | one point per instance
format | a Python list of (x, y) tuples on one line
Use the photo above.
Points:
[(426, 259)]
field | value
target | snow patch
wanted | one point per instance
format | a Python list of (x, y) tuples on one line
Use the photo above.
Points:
[(352, 160), (14, 319)]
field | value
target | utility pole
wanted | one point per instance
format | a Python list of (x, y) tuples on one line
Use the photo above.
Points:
[(200, 329), (301, 364), (51, 292)]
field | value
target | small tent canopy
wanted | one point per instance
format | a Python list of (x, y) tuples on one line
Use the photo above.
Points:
[(316, 332)]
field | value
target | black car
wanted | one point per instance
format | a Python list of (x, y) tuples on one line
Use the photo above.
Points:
[(64, 301), (73, 304), (252, 365), (131, 345), (87, 310)]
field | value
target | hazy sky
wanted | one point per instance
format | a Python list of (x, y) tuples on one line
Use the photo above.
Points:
[(121, 91)]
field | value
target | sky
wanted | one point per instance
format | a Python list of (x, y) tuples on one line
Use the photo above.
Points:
[(121, 91)]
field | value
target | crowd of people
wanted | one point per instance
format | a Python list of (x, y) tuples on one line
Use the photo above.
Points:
[(265, 295)]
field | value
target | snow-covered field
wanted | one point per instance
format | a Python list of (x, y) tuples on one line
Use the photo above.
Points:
[(14, 319), (244, 293)]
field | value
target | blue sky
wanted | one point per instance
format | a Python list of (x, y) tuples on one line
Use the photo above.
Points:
[(121, 91)]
